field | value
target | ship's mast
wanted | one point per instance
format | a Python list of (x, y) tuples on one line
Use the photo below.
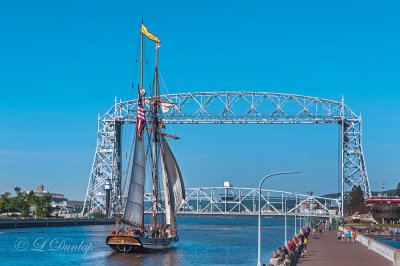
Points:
[(141, 61), (155, 144), (141, 87)]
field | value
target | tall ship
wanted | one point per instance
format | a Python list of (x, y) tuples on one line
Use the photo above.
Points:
[(151, 152)]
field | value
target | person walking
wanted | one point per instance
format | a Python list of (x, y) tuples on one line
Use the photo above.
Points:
[(342, 237), (305, 245), (354, 234), (339, 236), (348, 236)]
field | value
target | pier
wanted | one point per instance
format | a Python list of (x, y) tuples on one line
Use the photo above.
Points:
[(325, 250)]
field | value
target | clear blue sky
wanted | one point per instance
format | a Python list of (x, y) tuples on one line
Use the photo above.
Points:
[(63, 62)]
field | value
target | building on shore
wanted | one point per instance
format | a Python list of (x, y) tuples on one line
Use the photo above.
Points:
[(56, 198), (385, 210), (64, 207), (70, 207)]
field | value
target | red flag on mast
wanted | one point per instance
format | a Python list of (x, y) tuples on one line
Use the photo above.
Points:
[(141, 119)]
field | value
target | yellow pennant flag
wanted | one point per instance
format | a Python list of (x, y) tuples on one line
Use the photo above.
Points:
[(150, 35)]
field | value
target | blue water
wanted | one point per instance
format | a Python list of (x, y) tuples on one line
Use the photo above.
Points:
[(203, 241), (390, 241)]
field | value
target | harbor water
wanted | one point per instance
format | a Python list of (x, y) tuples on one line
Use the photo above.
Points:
[(393, 241), (203, 241)]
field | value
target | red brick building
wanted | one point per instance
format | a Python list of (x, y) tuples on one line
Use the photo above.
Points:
[(385, 209)]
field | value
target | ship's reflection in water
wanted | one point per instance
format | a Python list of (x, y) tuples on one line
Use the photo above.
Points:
[(202, 241), (170, 257)]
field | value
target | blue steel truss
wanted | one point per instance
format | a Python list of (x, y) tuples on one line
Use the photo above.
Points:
[(233, 107)]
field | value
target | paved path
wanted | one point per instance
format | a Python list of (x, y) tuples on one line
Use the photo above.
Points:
[(326, 251)]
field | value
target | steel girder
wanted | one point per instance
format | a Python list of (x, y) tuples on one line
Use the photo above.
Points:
[(213, 201), (233, 107)]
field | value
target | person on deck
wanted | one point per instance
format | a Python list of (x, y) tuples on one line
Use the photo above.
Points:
[(339, 236)]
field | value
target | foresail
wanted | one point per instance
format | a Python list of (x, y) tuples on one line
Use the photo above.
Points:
[(169, 201), (176, 182), (134, 204)]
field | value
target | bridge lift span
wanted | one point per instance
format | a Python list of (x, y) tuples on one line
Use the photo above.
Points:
[(233, 107), (237, 201)]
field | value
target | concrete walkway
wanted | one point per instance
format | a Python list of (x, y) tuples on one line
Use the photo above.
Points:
[(325, 250)]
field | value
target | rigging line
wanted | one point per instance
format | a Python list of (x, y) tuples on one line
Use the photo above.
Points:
[(339, 159), (126, 140), (126, 176), (136, 70), (129, 163), (162, 80), (145, 55), (132, 90), (149, 154), (165, 86)]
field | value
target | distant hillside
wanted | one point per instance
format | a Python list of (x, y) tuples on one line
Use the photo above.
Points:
[(391, 192), (332, 195)]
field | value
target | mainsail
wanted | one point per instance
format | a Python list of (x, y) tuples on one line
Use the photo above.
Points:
[(168, 193), (134, 204), (176, 185)]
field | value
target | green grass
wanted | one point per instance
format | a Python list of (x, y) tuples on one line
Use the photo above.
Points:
[(369, 225), (387, 225), (357, 224)]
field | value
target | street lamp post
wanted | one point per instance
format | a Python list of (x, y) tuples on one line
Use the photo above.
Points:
[(259, 211), (295, 217), (300, 222), (286, 218)]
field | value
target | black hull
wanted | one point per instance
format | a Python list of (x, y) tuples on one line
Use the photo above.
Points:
[(134, 244)]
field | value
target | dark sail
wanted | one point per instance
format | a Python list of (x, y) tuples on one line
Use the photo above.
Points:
[(134, 204), (176, 185), (169, 201)]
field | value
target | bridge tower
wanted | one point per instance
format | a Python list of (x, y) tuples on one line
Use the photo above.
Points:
[(233, 107)]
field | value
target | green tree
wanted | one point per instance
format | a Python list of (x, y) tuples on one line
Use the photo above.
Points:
[(21, 202), (5, 202), (356, 201), (31, 198), (398, 190), (43, 206)]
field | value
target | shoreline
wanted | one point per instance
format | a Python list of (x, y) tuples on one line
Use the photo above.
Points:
[(30, 223)]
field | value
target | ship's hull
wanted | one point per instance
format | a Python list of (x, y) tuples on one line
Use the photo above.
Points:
[(134, 244)]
